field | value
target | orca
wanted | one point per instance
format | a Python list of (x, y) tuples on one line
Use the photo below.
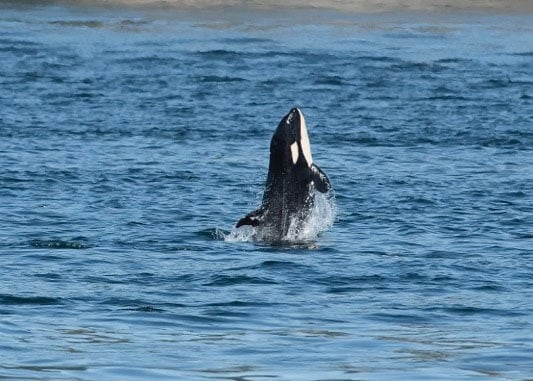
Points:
[(291, 182)]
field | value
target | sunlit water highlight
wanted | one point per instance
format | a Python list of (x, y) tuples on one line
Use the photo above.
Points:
[(131, 141)]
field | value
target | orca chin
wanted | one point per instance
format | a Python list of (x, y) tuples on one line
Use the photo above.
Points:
[(292, 181)]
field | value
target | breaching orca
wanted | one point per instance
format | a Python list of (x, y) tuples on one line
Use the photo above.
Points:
[(291, 182)]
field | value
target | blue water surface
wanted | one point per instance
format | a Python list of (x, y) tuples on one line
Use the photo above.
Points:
[(132, 140)]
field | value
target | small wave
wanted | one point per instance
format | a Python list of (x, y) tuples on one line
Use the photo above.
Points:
[(522, 54), (229, 280), (147, 309), (378, 59), (470, 310), (244, 40), (57, 244), (218, 54), (330, 80), (146, 61), (213, 233), (279, 265), (234, 303), (219, 79), (79, 23), (6, 299), (19, 50)]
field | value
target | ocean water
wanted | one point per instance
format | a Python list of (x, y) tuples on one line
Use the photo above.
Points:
[(132, 140)]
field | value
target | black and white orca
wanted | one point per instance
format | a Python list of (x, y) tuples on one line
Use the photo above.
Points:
[(291, 182)]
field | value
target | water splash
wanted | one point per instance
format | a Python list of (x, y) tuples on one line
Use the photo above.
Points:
[(321, 217), (245, 233)]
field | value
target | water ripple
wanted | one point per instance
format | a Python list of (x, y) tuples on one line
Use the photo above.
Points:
[(131, 141)]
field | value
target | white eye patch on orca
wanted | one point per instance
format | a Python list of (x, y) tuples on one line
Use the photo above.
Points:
[(294, 152)]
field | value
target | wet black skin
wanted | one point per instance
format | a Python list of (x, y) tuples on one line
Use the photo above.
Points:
[(289, 186)]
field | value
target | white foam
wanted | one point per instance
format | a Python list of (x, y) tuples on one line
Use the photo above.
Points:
[(245, 233), (321, 217)]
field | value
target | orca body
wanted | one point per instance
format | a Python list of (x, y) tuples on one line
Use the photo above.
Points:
[(291, 182)]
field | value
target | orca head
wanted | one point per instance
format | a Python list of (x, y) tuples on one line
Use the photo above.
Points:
[(291, 140)]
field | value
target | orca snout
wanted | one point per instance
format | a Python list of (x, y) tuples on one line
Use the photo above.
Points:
[(293, 117), (294, 110), (293, 122)]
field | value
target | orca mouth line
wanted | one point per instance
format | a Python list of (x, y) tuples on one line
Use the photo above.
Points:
[(294, 184)]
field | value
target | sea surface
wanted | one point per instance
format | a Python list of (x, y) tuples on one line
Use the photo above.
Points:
[(132, 140)]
